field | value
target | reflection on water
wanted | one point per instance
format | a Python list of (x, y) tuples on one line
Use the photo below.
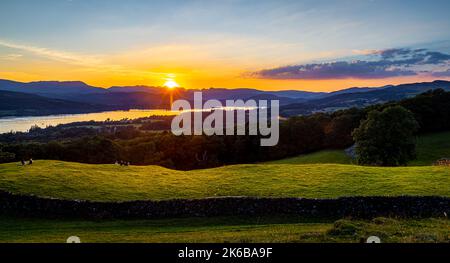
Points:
[(25, 123)]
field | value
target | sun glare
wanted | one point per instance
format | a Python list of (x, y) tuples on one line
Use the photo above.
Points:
[(170, 83)]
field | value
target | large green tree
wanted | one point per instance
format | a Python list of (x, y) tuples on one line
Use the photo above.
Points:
[(386, 137)]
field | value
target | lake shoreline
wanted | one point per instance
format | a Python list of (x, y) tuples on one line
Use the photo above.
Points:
[(24, 123)]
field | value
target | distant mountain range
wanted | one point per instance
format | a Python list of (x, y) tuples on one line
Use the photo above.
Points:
[(50, 88), (25, 104), (361, 97), (54, 97)]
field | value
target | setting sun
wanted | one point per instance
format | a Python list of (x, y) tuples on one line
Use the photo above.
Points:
[(170, 83)]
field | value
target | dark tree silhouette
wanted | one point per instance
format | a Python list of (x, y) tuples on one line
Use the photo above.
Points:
[(386, 137)]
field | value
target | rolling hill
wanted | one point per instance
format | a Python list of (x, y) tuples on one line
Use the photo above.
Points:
[(303, 176), (23, 104), (115, 183), (361, 98), (50, 88), (293, 102), (139, 97), (326, 156), (326, 174), (430, 147)]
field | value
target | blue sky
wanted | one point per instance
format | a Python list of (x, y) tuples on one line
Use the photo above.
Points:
[(201, 41)]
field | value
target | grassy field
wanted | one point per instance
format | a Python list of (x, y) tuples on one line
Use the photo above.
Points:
[(327, 156), (430, 148), (324, 174), (224, 229), (115, 183)]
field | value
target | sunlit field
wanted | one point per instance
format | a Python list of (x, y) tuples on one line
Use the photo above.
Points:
[(326, 174), (225, 122), (430, 148), (115, 183), (326, 156)]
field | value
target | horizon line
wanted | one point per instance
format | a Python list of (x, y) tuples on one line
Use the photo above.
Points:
[(226, 88)]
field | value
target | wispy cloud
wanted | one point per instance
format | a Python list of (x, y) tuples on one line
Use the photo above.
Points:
[(97, 63), (364, 51), (63, 56), (441, 74), (376, 64), (11, 57)]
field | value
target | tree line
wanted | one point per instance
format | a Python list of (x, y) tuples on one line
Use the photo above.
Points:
[(430, 112)]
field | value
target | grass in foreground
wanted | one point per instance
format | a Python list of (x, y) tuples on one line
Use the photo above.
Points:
[(114, 183), (224, 229)]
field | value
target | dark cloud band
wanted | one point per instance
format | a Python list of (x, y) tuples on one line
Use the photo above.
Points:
[(380, 64)]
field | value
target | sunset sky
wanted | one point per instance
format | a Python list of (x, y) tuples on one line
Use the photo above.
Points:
[(272, 45)]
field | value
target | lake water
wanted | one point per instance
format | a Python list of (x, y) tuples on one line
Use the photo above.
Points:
[(25, 123)]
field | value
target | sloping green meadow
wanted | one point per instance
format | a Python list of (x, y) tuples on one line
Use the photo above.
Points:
[(430, 147), (115, 183), (325, 174), (326, 156)]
